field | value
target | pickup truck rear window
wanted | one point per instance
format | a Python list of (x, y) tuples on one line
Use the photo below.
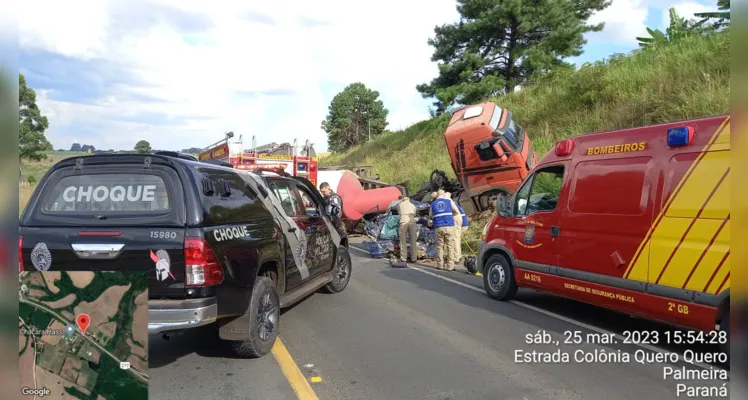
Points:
[(96, 193)]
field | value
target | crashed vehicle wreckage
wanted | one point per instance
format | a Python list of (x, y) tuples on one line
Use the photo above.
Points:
[(384, 232), (383, 229)]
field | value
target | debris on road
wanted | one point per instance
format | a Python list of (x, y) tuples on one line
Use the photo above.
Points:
[(386, 239)]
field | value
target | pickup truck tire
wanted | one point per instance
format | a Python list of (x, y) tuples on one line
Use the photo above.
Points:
[(498, 278), (341, 274), (264, 318)]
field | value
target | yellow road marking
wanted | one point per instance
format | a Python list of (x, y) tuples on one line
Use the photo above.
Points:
[(291, 371), (316, 379)]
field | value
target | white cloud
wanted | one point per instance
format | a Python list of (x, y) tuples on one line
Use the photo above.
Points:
[(216, 65), (307, 43), (624, 21), (72, 28), (685, 10)]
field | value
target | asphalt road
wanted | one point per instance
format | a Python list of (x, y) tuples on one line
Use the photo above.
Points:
[(418, 333)]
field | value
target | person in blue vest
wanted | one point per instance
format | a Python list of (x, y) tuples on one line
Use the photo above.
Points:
[(442, 215), (461, 225)]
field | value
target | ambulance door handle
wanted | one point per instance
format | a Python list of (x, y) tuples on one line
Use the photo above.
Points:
[(555, 231)]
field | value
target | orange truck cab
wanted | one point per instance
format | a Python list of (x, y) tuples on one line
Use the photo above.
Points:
[(490, 153), (635, 220)]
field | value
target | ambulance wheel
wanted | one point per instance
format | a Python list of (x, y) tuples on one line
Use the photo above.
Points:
[(264, 319), (341, 274), (498, 278)]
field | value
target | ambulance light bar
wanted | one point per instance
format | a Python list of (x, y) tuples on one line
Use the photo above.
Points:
[(681, 136)]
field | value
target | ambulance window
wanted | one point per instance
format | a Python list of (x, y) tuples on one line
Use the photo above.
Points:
[(521, 200), (546, 187)]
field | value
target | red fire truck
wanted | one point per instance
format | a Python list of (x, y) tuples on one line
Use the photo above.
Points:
[(232, 151)]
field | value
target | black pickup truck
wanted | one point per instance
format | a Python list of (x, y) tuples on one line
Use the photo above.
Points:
[(219, 245)]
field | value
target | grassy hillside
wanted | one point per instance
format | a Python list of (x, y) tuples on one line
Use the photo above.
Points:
[(688, 79)]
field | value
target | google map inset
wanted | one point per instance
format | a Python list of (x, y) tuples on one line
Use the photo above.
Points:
[(83, 335)]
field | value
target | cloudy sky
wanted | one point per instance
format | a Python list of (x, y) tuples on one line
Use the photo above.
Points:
[(179, 73)]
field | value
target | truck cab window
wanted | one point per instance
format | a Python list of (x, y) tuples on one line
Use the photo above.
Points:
[(546, 187), (485, 150)]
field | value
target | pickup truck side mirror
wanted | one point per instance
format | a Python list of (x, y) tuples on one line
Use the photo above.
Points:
[(502, 205)]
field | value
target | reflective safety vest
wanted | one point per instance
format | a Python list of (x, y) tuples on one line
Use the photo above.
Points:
[(441, 210), (465, 221)]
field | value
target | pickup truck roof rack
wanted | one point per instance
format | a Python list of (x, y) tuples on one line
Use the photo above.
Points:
[(218, 162), (176, 155)]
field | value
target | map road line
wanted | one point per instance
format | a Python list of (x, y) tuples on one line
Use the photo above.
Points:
[(137, 374), (291, 371)]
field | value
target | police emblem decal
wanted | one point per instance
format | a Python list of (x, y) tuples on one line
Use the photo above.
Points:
[(41, 258), (163, 265), (529, 234)]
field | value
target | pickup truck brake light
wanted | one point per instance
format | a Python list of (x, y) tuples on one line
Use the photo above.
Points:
[(20, 253), (201, 264)]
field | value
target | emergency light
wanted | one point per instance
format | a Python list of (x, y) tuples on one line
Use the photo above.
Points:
[(680, 136), (564, 147)]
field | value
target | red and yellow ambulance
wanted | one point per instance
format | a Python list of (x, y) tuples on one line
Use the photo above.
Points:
[(636, 220)]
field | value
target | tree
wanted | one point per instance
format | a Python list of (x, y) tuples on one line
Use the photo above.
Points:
[(32, 124), (499, 44), (355, 115), (722, 16), (143, 147), (678, 29), (75, 147)]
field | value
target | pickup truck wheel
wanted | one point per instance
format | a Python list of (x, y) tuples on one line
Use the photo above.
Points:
[(341, 274), (498, 278), (264, 318)]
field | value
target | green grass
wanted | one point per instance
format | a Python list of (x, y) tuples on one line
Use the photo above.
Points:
[(37, 169), (687, 79)]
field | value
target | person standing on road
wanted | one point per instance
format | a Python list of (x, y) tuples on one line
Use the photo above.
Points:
[(442, 215), (461, 225), (407, 229), (331, 198)]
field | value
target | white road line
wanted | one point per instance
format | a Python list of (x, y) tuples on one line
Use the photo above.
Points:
[(563, 318)]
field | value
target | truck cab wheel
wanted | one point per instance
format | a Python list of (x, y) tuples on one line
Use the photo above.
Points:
[(341, 274), (264, 320), (498, 278)]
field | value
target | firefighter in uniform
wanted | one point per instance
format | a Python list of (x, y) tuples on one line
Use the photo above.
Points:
[(442, 215), (331, 198), (407, 229), (461, 225)]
